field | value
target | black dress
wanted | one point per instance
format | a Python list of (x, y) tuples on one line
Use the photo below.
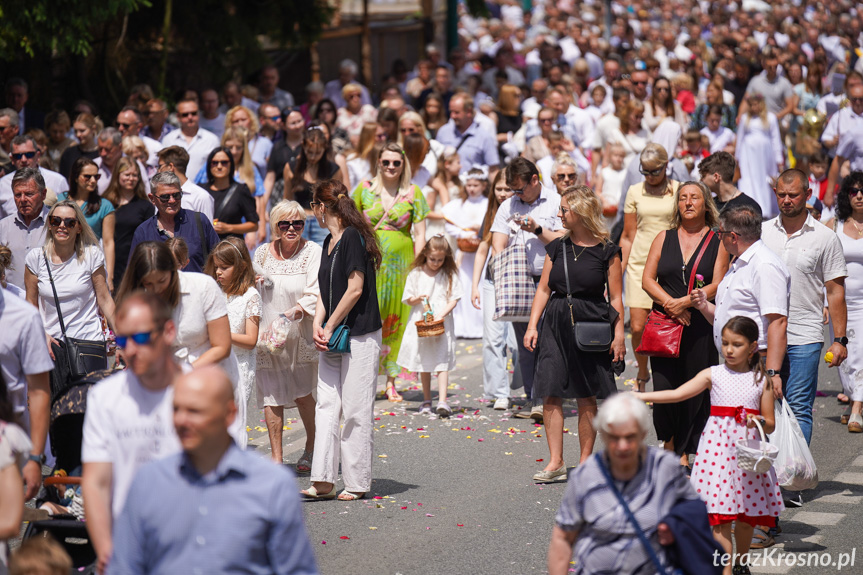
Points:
[(684, 421), (127, 218), (562, 370)]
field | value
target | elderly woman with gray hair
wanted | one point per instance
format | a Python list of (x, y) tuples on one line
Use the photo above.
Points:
[(626, 483), (289, 267)]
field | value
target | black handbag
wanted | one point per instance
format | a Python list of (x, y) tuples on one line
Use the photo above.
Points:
[(74, 358), (591, 336)]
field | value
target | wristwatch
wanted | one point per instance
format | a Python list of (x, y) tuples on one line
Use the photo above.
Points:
[(843, 341), (538, 230), (772, 372), (40, 459)]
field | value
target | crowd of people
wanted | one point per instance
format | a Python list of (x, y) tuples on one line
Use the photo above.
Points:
[(541, 188)]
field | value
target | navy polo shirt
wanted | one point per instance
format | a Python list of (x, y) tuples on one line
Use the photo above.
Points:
[(185, 227)]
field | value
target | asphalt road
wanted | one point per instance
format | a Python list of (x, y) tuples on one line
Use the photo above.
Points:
[(456, 496)]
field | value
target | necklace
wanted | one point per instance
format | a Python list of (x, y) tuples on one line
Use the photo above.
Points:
[(856, 227), (574, 256), (279, 249)]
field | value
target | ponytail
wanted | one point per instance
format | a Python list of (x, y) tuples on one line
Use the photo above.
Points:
[(334, 196)]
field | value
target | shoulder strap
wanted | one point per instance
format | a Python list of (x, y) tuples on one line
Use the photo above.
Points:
[(462, 141), (204, 247), (230, 194), (54, 290), (694, 269), (660, 569)]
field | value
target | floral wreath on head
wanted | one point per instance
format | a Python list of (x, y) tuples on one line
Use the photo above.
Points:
[(473, 175)]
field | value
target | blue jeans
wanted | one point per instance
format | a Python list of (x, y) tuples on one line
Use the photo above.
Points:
[(496, 337), (313, 232), (800, 378)]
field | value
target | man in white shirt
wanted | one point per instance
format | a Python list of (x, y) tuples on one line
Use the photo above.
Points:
[(129, 419), (211, 118), (813, 255), (756, 286), (850, 146), (195, 198), (26, 154), (129, 123), (531, 216), (25, 228), (192, 138), (25, 364)]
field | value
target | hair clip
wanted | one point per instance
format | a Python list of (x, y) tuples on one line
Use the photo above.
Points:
[(472, 175), (439, 235), (340, 196), (239, 253)]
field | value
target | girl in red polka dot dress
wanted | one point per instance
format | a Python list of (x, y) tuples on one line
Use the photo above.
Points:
[(740, 392)]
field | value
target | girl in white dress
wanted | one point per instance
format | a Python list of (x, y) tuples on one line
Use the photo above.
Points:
[(759, 154), (434, 278), (609, 184), (463, 221), (230, 265), (444, 185)]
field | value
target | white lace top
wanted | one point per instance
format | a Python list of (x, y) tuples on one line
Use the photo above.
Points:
[(241, 308)]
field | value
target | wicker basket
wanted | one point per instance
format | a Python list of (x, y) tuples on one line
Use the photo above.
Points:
[(428, 327), (755, 455), (468, 245)]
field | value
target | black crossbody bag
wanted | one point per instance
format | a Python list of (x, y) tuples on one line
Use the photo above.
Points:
[(73, 358), (589, 335)]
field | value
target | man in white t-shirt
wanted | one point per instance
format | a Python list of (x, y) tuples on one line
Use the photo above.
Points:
[(129, 420)]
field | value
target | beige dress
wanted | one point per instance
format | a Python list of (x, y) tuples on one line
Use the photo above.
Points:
[(653, 215), (281, 378)]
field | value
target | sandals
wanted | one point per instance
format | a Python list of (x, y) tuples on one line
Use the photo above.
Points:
[(641, 384), (304, 464), (425, 407), (393, 395), (349, 496), (855, 423), (312, 493), (761, 539), (843, 419)]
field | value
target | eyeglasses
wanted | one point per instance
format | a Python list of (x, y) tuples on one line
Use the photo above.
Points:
[(395, 163), (639, 82), (165, 198), (655, 172), (95, 177), (22, 155), (285, 225), (316, 204), (273, 118), (220, 163), (187, 114), (854, 192), (562, 177), (352, 96), (56, 221), (124, 125), (545, 120), (719, 232), (143, 338)]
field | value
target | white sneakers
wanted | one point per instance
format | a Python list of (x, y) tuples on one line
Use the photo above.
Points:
[(501, 403)]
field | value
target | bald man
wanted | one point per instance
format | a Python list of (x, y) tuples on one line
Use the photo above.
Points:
[(188, 507)]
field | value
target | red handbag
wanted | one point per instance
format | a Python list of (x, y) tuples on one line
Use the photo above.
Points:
[(662, 333)]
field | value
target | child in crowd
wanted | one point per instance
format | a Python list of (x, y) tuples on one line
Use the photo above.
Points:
[(180, 250), (463, 221), (433, 280), (609, 186), (818, 165), (720, 138), (230, 265), (444, 186), (740, 393), (697, 148), (597, 97)]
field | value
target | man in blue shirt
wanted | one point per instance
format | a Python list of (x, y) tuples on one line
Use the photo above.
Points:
[(213, 508), (173, 221), (475, 146)]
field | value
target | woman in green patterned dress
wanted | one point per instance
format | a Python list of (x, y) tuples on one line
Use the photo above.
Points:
[(393, 206)]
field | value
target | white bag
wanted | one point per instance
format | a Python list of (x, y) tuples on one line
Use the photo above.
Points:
[(795, 468)]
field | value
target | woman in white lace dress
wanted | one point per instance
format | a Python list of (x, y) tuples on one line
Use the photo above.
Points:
[(230, 265), (288, 267)]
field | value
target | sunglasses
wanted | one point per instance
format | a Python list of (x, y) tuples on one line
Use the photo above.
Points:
[(187, 114), (639, 82), (56, 221), (719, 232), (95, 177), (662, 89), (562, 177), (563, 210), (220, 163), (22, 155), (273, 118), (395, 163), (285, 225), (655, 172), (855, 100), (124, 125), (854, 192), (143, 338), (165, 198)]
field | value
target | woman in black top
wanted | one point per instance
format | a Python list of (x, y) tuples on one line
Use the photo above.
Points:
[(131, 209), (562, 369), (313, 164), (666, 280), (235, 212), (86, 129), (346, 382)]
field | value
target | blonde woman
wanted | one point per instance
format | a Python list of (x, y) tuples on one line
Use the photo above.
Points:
[(397, 210), (235, 139), (352, 117), (632, 134), (591, 261), (77, 267), (259, 146), (359, 161), (759, 154), (412, 123), (648, 210)]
